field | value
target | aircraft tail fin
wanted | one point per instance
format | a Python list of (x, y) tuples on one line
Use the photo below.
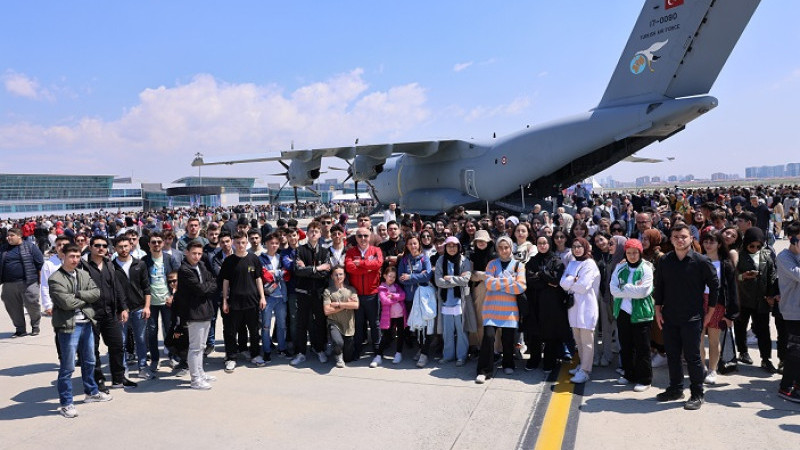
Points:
[(677, 49)]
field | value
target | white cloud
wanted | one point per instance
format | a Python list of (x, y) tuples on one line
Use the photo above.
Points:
[(157, 137), (21, 85), (461, 66), (516, 106)]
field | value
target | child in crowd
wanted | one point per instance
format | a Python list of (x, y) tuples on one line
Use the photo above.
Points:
[(393, 315)]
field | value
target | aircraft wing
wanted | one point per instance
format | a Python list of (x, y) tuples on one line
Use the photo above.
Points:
[(200, 161), (639, 159), (420, 149)]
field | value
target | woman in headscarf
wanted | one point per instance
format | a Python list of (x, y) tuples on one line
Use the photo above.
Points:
[(505, 280), (631, 286), (582, 279), (547, 322), (480, 254)]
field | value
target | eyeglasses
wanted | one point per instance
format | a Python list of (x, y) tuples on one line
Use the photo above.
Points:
[(100, 245), (362, 236), (158, 242), (172, 281), (425, 237)]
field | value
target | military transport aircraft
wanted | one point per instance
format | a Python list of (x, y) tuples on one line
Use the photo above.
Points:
[(672, 58)]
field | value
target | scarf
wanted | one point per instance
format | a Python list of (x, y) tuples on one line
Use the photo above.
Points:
[(456, 260)]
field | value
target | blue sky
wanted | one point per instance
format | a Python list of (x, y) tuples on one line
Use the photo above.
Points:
[(136, 88)]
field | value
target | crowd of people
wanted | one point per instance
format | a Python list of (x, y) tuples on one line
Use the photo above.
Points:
[(634, 281)]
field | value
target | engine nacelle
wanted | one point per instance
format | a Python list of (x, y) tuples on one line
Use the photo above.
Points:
[(304, 173), (366, 167)]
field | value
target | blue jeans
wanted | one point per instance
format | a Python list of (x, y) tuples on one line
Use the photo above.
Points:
[(82, 341), (152, 330), (212, 335), (275, 307), (139, 325), (454, 348)]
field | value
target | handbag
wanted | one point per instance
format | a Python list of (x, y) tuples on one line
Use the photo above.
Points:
[(569, 300), (727, 358)]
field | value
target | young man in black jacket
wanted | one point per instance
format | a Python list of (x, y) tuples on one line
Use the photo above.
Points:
[(311, 273), (680, 282), (111, 312), (137, 285), (194, 304)]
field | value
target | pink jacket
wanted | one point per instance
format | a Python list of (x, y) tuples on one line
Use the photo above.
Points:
[(388, 296)]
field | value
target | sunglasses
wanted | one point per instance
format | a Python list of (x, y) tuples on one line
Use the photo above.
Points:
[(158, 242), (100, 245), (362, 236), (172, 281)]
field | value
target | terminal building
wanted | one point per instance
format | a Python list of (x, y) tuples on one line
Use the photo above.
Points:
[(26, 195)]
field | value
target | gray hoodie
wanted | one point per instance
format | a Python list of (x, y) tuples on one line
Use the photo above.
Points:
[(789, 281)]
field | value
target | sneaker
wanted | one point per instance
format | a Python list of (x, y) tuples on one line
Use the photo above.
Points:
[(230, 365), (641, 387), (745, 358), (323, 358), (508, 371), (480, 379), (460, 363), (208, 350), (98, 397), (267, 357), (299, 359), (398, 358), (531, 364), (446, 360), (182, 372), (694, 403), (101, 386), (202, 385), (620, 371), (209, 378), (580, 377), (780, 368), (423, 359), (259, 361), (574, 371), (623, 380), (793, 395), (670, 395), (35, 332), (375, 362), (659, 360), (125, 383), (19, 334), (69, 411), (768, 367), (146, 374), (711, 378), (339, 361)]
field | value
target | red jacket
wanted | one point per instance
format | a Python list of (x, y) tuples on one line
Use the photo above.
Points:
[(366, 276)]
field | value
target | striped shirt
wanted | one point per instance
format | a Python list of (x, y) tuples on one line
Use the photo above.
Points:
[(502, 287)]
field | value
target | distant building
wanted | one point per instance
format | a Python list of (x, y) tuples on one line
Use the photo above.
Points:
[(792, 170), (765, 171), (655, 180), (643, 181), (672, 178)]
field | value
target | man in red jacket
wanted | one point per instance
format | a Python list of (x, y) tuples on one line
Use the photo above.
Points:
[(363, 265)]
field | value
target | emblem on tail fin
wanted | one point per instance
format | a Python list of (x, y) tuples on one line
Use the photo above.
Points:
[(646, 57)]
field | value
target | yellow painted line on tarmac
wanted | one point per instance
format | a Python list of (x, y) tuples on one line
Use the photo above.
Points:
[(554, 425)]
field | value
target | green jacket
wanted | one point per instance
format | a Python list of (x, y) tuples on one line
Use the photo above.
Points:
[(65, 302), (639, 291)]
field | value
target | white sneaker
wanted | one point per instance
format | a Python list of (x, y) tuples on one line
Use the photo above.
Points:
[(641, 387), (340, 361), (623, 380), (398, 358), (574, 371), (508, 371), (480, 379), (299, 359), (375, 362), (711, 378), (423, 359), (146, 374), (580, 377), (207, 377), (99, 397), (201, 384), (230, 365), (259, 361), (659, 360), (323, 358), (69, 411)]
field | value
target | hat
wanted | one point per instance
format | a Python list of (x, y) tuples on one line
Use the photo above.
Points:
[(482, 235), (634, 243), (453, 240), (753, 234), (513, 220)]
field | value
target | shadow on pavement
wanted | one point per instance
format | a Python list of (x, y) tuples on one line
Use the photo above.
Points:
[(29, 369)]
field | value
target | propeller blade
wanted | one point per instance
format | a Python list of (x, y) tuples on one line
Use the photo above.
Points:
[(296, 201), (285, 166), (281, 174), (337, 168)]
